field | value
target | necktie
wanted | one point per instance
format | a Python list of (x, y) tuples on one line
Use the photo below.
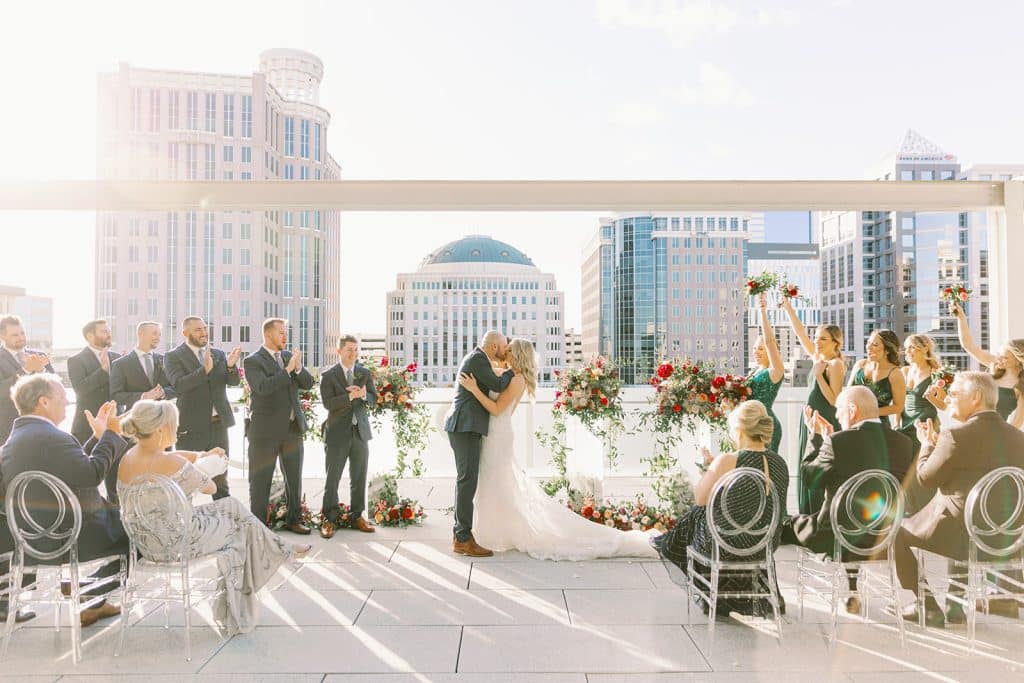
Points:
[(202, 355), (277, 357), (20, 355), (147, 365), (348, 380)]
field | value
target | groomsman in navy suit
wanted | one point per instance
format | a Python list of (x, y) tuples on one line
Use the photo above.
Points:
[(200, 375), (89, 371), (15, 361), (277, 425), (138, 374)]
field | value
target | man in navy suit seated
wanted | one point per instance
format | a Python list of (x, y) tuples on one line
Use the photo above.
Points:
[(36, 444)]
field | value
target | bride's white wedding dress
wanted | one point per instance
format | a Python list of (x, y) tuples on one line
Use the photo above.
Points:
[(513, 513)]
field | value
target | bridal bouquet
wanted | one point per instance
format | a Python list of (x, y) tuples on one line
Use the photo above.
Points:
[(590, 392), (943, 377), (791, 292)]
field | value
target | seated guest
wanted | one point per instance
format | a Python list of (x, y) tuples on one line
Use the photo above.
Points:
[(37, 444), (255, 552), (832, 459), (750, 429), (16, 360), (953, 461)]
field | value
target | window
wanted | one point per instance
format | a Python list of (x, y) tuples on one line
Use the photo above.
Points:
[(135, 112), (906, 175), (211, 112), (154, 110), (316, 142), (247, 116), (926, 175), (289, 136), (225, 330), (245, 283), (243, 333), (192, 111), (304, 138), (246, 155), (229, 153), (152, 255), (229, 119), (245, 257), (226, 257), (172, 109), (246, 231), (211, 162)]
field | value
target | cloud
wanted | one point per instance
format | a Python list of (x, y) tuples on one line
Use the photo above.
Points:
[(778, 17), (683, 21), (715, 88), (636, 114)]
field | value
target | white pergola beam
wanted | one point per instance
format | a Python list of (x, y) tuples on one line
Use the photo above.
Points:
[(502, 195)]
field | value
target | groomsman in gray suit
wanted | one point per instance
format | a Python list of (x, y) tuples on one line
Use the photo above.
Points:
[(16, 361), (346, 390), (89, 371)]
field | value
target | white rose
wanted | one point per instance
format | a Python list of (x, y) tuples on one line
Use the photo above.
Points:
[(636, 526), (609, 522)]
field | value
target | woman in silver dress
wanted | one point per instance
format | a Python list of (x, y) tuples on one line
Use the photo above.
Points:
[(254, 553)]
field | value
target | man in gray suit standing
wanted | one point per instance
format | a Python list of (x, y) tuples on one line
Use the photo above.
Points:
[(466, 423), (346, 390)]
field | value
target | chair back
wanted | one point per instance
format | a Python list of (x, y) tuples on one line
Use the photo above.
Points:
[(994, 512), (46, 520), (867, 507), (157, 516), (743, 512)]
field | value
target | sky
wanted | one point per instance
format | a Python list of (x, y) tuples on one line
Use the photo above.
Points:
[(604, 89)]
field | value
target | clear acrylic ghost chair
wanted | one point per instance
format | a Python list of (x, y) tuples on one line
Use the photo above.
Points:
[(49, 540), (157, 515), (868, 506), (748, 545), (11, 576), (994, 517)]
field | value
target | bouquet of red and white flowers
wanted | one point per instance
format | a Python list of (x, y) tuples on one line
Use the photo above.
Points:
[(956, 293), (394, 387), (390, 510), (765, 282), (944, 376), (629, 515), (590, 392), (790, 291), (689, 392)]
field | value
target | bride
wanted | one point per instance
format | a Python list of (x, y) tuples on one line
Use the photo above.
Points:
[(512, 513)]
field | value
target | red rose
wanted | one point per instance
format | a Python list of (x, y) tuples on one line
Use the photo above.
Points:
[(947, 290), (384, 362), (600, 363), (393, 513), (407, 513), (695, 370), (387, 388), (408, 406), (665, 370), (677, 408), (718, 382), (411, 367), (604, 401), (587, 511), (557, 394)]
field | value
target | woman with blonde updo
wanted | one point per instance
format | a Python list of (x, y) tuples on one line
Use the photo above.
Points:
[(513, 513), (254, 552), (750, 429)]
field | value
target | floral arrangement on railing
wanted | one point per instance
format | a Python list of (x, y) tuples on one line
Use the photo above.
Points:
[(410, 421), (592, 394), (309, 399), (625, 516)]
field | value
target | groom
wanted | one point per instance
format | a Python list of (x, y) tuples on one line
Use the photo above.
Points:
[(466, 424)]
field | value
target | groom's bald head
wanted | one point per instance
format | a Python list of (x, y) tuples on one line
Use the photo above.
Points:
[(493, 343)]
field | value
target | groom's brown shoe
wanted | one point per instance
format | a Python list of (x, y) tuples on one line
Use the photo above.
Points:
[(470, 548)]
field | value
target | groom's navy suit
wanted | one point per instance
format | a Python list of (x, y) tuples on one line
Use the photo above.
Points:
[(466, 423)]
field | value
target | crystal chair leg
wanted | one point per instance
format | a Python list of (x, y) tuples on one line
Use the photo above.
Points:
[(800, 579), (186, 589), (75, 613), (838, 575), (894, 597), (712, 607), (773, 593)]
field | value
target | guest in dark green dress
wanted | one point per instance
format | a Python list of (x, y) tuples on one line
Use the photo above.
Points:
[(1006, 366), (880, 372), (827, 377), (766, 380)]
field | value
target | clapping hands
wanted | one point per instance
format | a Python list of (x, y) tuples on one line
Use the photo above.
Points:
[(36, 362), (816, 424), (295, 362), (100, 422), (927, 431)]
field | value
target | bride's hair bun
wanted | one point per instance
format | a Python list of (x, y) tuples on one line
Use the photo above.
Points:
[(147, 417)]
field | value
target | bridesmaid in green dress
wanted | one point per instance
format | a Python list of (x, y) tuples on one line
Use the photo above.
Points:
[(827, 377), (880, 372), (920, 405), (766, 380), (1006, 366)]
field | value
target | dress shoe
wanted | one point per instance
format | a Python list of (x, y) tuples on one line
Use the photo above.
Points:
[(83, 585), (362, 525), (91, 616), (297, 528), (24, 614), (470, 548), (933, 616), (327, 530), (853, 605)]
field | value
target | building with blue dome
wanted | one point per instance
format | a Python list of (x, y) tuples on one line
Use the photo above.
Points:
[(461, 290)]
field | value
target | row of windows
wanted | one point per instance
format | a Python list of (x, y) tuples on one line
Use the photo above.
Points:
[(477, 284)]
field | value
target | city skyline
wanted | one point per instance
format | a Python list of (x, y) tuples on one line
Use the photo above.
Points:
[(454, 96)]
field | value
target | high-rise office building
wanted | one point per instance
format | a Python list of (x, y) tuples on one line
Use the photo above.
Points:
[(668, 285), (801, 267), (437, 314), (885, 269), (233, 268)]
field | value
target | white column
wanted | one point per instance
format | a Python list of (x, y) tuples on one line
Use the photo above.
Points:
[(1006, 272)]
